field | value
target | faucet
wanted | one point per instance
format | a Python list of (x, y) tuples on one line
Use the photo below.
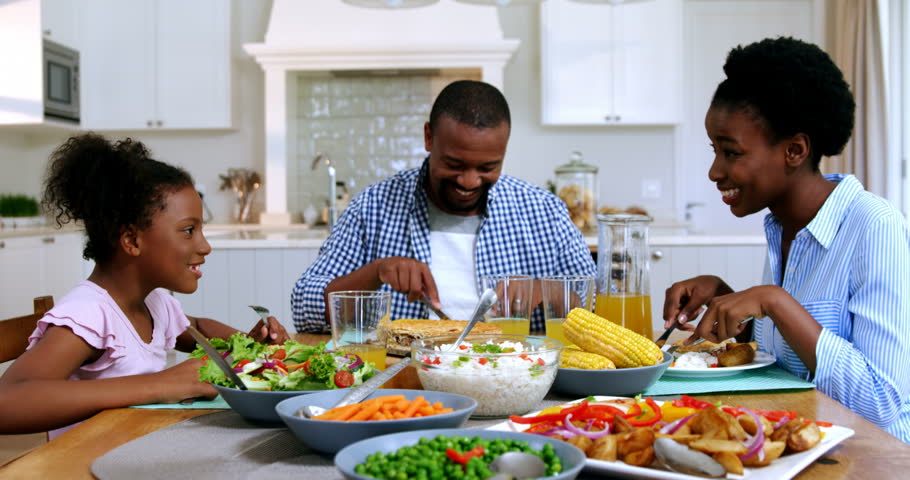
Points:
[(318, 159)]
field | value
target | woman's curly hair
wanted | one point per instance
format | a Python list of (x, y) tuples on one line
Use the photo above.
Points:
[(791, 87), (109, 187)]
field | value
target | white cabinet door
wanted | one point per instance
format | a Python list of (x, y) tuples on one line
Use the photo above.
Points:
[(118, 85), (21, 271), (740, 266), (35, 266), (63, 263), (156, 64), (610, 64), (193, 64), (60, 22)]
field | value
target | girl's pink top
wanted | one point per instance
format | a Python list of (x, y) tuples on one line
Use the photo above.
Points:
[(90, 312)]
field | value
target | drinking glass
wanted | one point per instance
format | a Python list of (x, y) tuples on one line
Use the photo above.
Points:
[(562, 293), (355, 316), (512, 310)]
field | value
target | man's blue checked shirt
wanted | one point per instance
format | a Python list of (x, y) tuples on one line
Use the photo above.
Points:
[(524, 230)]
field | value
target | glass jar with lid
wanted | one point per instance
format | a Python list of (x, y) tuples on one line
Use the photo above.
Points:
[(576, 185)]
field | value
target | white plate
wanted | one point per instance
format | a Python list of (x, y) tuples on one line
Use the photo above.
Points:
[(784, 468), (762, 359)]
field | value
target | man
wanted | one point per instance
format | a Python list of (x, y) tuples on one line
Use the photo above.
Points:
[(435, 230)]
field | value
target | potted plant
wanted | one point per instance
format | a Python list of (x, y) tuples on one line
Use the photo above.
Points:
[(19, 211)]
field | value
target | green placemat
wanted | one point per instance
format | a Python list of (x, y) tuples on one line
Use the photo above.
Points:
[(767, 378), (215, 403)]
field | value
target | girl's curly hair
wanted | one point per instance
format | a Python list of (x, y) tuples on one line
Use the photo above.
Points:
[(108, 187), (791, 87)]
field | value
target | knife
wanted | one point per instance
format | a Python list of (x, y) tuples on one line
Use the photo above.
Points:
[(216, 357), (672, 348), (439, 313)]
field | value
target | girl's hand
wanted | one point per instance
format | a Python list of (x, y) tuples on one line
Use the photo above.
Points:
[(181, 382), (684, 299), (272, 333), (725, 313)]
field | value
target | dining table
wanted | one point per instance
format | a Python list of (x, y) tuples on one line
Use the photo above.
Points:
[(869, 453)]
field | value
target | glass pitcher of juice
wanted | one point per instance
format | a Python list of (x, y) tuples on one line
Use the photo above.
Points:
[(623, 271)]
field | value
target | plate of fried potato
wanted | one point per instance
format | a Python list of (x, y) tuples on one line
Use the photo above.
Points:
[(788, 445), (731, 359)]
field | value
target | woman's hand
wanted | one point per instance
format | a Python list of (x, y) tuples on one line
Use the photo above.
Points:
[(684, 300), (181, 382), (272, 333), (725, 315)]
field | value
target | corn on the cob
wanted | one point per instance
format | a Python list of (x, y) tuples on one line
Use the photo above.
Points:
[(574, 358), (598, 335)]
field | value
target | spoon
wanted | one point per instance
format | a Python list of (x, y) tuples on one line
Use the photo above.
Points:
[(364, 390), (487, 299), (517, 465), (680, 458)]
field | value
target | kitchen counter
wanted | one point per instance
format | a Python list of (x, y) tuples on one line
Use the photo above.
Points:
[(303, 236)]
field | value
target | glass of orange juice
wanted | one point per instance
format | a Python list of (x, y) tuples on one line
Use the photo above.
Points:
[(512, 310), (355, 316), (562, 293)]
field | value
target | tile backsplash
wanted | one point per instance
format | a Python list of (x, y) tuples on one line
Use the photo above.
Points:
[(370, 126)]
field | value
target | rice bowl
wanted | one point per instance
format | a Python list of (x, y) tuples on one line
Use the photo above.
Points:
[(506, 374)]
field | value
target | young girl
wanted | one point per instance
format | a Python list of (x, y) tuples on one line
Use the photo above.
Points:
[(835, 304), (104, 344)]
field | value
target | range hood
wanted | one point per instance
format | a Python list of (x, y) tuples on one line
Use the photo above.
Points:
[(329, 35)]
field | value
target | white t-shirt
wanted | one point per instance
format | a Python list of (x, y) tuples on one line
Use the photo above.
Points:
[(452, 247)]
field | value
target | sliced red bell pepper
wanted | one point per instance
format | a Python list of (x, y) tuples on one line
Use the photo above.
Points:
[(463, 458), (561, 415), (641, 420), (279, 354), (687, 401), (543, 426)]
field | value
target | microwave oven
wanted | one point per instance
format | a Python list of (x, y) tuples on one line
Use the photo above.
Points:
[(61, 81)]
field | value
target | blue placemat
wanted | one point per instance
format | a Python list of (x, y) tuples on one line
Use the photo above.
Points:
[(767, 378), (215, 403)]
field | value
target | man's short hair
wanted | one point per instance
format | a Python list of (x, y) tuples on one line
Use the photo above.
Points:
[(472, 103)]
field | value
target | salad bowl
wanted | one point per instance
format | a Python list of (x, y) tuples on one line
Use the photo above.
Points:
[(272, 373)]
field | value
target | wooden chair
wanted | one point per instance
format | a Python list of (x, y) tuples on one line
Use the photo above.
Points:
[(14, 332)]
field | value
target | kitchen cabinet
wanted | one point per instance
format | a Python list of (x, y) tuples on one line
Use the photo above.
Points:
[(156, 64), (234, 278), (741, 266), (22, 72), (60, 22), (33, 266), (606, 64)]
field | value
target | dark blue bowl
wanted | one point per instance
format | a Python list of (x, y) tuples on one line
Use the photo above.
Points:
[(331, 436)]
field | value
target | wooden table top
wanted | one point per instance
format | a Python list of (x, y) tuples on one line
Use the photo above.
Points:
[(870, 453)]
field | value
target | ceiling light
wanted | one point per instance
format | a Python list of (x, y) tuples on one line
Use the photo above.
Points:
[(501, 3), (391, 3)]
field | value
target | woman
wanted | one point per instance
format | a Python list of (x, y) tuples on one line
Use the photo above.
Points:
[(835, 304)]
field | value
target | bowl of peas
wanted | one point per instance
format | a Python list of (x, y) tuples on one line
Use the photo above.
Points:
[(452, 453)]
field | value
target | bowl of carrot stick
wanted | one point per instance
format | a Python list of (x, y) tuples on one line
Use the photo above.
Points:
[(384, 411)]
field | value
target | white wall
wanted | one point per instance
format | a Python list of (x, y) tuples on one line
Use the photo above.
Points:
[(626, 155)]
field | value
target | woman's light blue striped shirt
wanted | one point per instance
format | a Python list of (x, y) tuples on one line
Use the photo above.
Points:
[(850, 269)]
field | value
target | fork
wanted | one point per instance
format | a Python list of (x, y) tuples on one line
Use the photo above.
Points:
[(263, 312)]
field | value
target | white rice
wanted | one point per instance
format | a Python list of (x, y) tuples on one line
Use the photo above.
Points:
[(511, 387), (695, 360)]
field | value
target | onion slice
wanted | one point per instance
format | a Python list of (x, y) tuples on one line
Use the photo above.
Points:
[(781, 423), (672, 427), (756, 443), (578, 431)]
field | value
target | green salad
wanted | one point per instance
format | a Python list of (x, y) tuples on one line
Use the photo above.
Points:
[(288, 367)]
